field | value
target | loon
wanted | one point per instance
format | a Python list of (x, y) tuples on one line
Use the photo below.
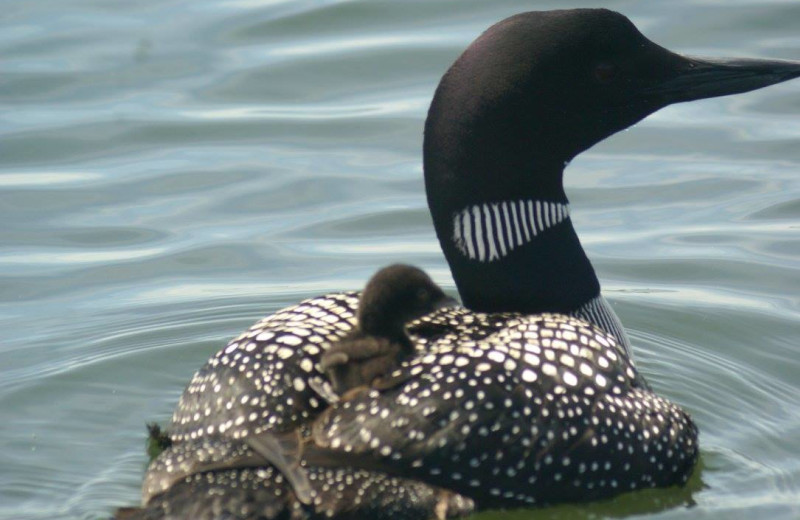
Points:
[(394, 296), (529, 395)]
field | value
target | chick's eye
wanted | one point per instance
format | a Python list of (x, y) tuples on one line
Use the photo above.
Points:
[(605, 72), (422, 295)]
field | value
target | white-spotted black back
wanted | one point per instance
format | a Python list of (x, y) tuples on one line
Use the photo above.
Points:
[(548, 409), (505, 408)]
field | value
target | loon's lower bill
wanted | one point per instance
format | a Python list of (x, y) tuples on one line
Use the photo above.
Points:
[(528, 396)]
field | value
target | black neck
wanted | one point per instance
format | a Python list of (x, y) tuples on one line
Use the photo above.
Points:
[(547, 273), (475, 156)]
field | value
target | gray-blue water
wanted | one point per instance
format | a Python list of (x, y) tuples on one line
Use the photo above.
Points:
[(170, 170)]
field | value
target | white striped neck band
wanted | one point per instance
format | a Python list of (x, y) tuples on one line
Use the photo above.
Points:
[(488, 232)]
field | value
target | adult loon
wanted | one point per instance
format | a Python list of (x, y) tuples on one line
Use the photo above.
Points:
[(529, 397)]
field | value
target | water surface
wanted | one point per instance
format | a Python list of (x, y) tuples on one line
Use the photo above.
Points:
[(172, 170)]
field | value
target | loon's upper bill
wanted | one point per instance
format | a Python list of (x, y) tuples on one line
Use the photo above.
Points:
[(527, 396)]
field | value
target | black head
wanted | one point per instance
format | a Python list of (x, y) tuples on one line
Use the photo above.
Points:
[(396, 295), (537, 89)]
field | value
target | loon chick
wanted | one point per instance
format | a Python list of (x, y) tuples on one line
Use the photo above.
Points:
[(394, 296), (529, 397)]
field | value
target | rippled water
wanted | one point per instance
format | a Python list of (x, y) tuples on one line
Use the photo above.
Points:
[(172, 170)]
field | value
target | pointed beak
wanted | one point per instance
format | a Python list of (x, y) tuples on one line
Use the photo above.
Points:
[(700, 78)]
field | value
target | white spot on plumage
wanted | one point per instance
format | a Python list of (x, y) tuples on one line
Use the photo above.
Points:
[(496, 356)]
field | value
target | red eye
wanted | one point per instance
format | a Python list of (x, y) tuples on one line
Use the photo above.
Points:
[(605, 72)]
